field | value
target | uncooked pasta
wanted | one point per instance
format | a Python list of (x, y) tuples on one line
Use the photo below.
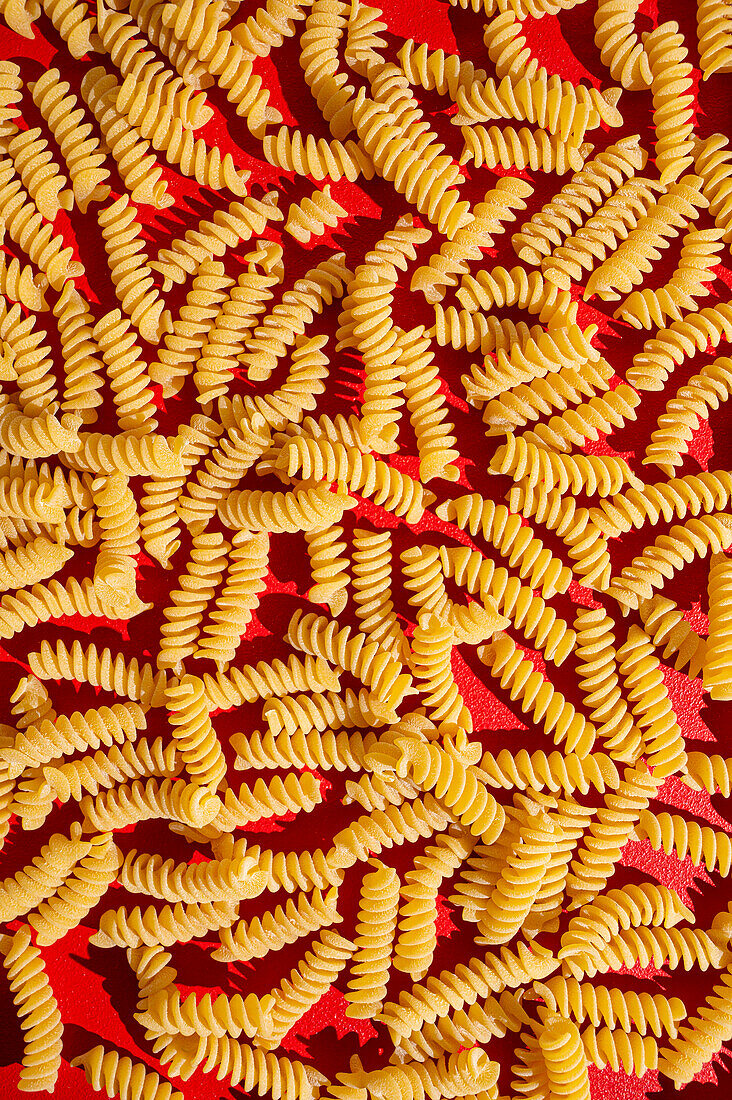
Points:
[(365, 575)]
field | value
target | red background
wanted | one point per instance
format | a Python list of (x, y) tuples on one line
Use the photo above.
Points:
[(95, 988)]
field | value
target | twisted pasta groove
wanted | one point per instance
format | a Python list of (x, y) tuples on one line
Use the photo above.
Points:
[(717, 667), (308, 982), (432, 646), (630, 1011), (101, 669), (256, 938), (189, 716), (600, 176), (538, 696), (698, 1042), (128, 267), (667, 555), (600, 684), (38, 1011), (122, 1077), (701, 842), (619, 46), (168, 1012), (65, 735), (377, 919), (80, 892), (564, 1058)]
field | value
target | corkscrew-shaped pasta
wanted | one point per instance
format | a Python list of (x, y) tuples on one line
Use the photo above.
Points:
[(523, 148), (115, 567), (39, 172), (667, 555), (601, 234), (39, 879), (82, 368), (417, 937), (381, 673), (132, 278), (118, 1076), (717, 668), (514, 541), (508, 907), (308, 982), (603, 842), (673, 345), (328, 567), (704, 1036), (499, 204), (256, 938), (714, 33), (92, 876), (268, 679), (553, 771), (432, 645), (282, 1077), (646, 308), (310, 217), (427, 410), (27, 229), (175, 801), (671, 832), (127, 372), (619, 46), (204, 572), (166, 926), (596, 181), (452, 989), (713, 165), (37, 1009), (304, 509), (65, 735), (167, 1011), (613, 1007), (625, 267), (418, 172), (592, 474), (188, 713), (377, 918), (600, 684), (137, 166), (686, 411), (460, 788), (671, 84), (547, 353), (239, 597), (105, 769), (36, 561), (128, 679), (564, 1058), (302, 153), (240, 221)]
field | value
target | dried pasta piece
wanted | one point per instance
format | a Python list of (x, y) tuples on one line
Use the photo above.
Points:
[(377, 918), (717, 670), (310, 217), (118, 1076), (685, 412), (619, 45), (37, 1010)]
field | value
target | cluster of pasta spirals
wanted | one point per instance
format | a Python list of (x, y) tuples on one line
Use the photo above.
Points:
[(333, 495)]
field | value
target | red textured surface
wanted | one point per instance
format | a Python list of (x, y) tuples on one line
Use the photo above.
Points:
[(95, 989)]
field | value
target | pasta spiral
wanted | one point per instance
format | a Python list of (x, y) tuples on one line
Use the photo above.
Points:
[(38, 1011), (122, 1077), (377, 918), (717, 670)]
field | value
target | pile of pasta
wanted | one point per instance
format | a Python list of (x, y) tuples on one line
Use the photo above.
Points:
[(288, 491)]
